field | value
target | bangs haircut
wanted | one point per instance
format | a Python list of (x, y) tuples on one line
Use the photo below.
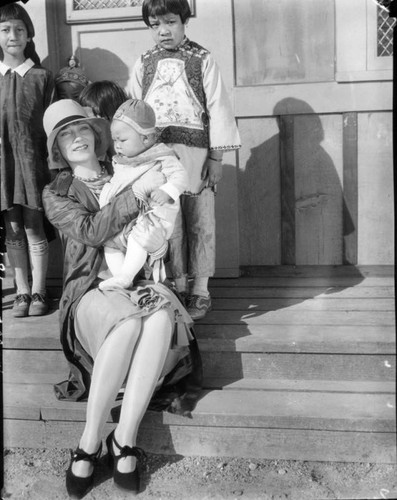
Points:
[(15, 11), (155, 8), (103, 97)]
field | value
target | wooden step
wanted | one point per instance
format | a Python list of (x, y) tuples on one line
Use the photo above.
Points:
[(302, 292), (354, 339), (272, 444), (232, 408), (329, 271), (339, 386), (297, 366), (290, 317), (221, 418), (51, 367), (322, 284)]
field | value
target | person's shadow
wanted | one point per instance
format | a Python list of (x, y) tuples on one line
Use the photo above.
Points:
[(100, 64), (291, 202), (292, 212)]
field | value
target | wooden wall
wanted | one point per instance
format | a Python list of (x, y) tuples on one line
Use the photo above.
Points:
[(313, 182), (316, 189)]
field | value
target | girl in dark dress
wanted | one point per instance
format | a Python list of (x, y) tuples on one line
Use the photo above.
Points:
[(26, 90)]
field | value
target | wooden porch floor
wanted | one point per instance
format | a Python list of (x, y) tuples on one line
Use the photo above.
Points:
[(299, 363)]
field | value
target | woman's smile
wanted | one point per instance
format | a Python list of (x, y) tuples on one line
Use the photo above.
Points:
[(76, 139)]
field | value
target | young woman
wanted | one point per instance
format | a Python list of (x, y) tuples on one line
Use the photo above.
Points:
[(139, 336)]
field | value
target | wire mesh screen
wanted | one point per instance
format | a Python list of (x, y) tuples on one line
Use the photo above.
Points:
[(104, 4), (385, 33)]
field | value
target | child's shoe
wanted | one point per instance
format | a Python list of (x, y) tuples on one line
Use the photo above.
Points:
[(39, 305), (182, 296), (198, 306), (20, 309)]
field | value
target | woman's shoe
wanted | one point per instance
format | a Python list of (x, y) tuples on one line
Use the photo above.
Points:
[(129, 481), (78, 486)]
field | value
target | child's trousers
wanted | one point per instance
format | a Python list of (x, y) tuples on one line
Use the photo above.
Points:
[(192, 244)]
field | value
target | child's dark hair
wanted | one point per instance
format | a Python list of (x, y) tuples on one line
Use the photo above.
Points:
[(15, 11), (104, 97), (155, 8)]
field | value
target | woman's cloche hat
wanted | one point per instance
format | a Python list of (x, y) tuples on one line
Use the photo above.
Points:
[(65, 112)]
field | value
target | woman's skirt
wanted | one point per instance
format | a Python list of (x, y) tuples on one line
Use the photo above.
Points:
[(100, 312)]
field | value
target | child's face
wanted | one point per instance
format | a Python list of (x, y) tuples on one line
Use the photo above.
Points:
[(76, 142), (127, 141), (13, 40), (167, 31)]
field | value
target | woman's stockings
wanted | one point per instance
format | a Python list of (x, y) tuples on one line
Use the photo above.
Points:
[(146, 368), (110, 369), (146, 343)]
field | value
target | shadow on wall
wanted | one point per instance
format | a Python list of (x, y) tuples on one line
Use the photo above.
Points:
[(97, 64), (100, 64), (292, 206)]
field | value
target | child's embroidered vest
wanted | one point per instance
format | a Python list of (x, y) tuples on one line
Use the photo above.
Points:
[(192, 55)]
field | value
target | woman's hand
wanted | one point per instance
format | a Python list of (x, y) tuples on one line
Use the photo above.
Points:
[(212, 170)]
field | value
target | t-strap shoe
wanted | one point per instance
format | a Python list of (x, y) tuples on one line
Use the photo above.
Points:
[(77, 486), (128, 481)]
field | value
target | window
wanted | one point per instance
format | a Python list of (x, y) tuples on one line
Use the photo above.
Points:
[(91, 11), (364, 41), (384, 33), (284, 41)]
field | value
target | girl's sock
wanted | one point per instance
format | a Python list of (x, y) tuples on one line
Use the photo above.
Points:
[(38, 253), (181, 284), (200, 287), (17, 252)]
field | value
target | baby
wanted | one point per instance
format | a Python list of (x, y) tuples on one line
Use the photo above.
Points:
[(157, 178)]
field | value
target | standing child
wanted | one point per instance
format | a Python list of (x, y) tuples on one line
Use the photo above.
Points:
[(26, 89), (157, 179), (182, 83)]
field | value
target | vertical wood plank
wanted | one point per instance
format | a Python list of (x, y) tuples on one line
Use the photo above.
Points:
[(375, 189), (259, 192), (287, 182), (350, 188)]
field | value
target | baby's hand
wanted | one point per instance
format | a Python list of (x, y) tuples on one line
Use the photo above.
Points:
[(160, 197)]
